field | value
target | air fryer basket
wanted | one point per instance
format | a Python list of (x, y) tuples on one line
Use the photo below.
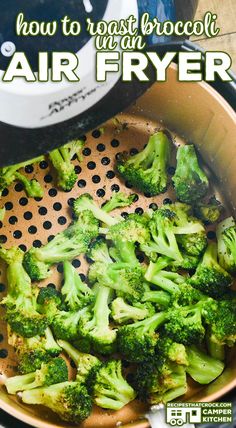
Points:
[(192, 112)]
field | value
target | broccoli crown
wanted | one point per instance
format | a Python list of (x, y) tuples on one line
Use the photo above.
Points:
[(147, 170), (94, 323), (210, 277), (221, 318), (118, 200), (87, 365), (185, 325), (209, 213), (189, 262), (69, 400), (168, 349), (34, 351), (111, 390), (85, 202), (190, 181), (126, 280), (75, 292), (193, 244), (51, 372), (36, 269), (61, 160), (122, 312), (202, 367), (160, 380), (137, 341), (48, 301), (98, 251), (65, 325), (133, 229), (225, 233), (163, 238), (24, 319), (168, 281), (187, 296)]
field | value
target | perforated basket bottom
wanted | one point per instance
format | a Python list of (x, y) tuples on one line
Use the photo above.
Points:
[(33, 222)]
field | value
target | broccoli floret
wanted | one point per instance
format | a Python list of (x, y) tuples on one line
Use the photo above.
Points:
[(221, 319), (98, 251), (65, 325), (85, 202), (123, 313), (147, 170), (137, 341), (55, 371), (32, 187), (189, 262), (66, 245), (190, 181), (133, 229), (126, 280), (69, 400), (20, 302), (94, 325), (118, 200), (61, 159), (111, 390), (124, 251), (186, 296), (185, 324), (159, 380), (226, 236), (10, 174), (168, 281), (48, 302), (75, 292), (163, 237), (210, 277), (209, 213), (86, 364), (34, 351), (168, 349), (202, 367)]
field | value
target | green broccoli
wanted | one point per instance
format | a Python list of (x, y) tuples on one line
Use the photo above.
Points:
[(137, 341), (159, 380), (55, 371), (66, 245), (123, 313), (133, 229), (9, 174), (168, 349), (75, 292), (187, 296), (85, 202), (202, 367), (190, 181), (163, 236), (86, 364), (147, 170), (94, 328), (118, 200), (2, 213), (20, 302), (160, 298), (209, 213), (34, 351), (210, 277), (226, 236), (168, 281), (220, 316), (61, 159), (49, 300), (69, 400), (184, 324), (110, 389)]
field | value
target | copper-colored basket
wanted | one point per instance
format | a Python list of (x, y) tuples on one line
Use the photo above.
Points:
[(192, 112)]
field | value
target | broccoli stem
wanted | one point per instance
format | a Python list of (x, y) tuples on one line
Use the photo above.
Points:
[(168, 281), (149, 325), (20, 383), (126, 251), (160, 297), (215, 350), (174, 393), (202, 367), (101, 308), (73, 353), (118, 200)]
